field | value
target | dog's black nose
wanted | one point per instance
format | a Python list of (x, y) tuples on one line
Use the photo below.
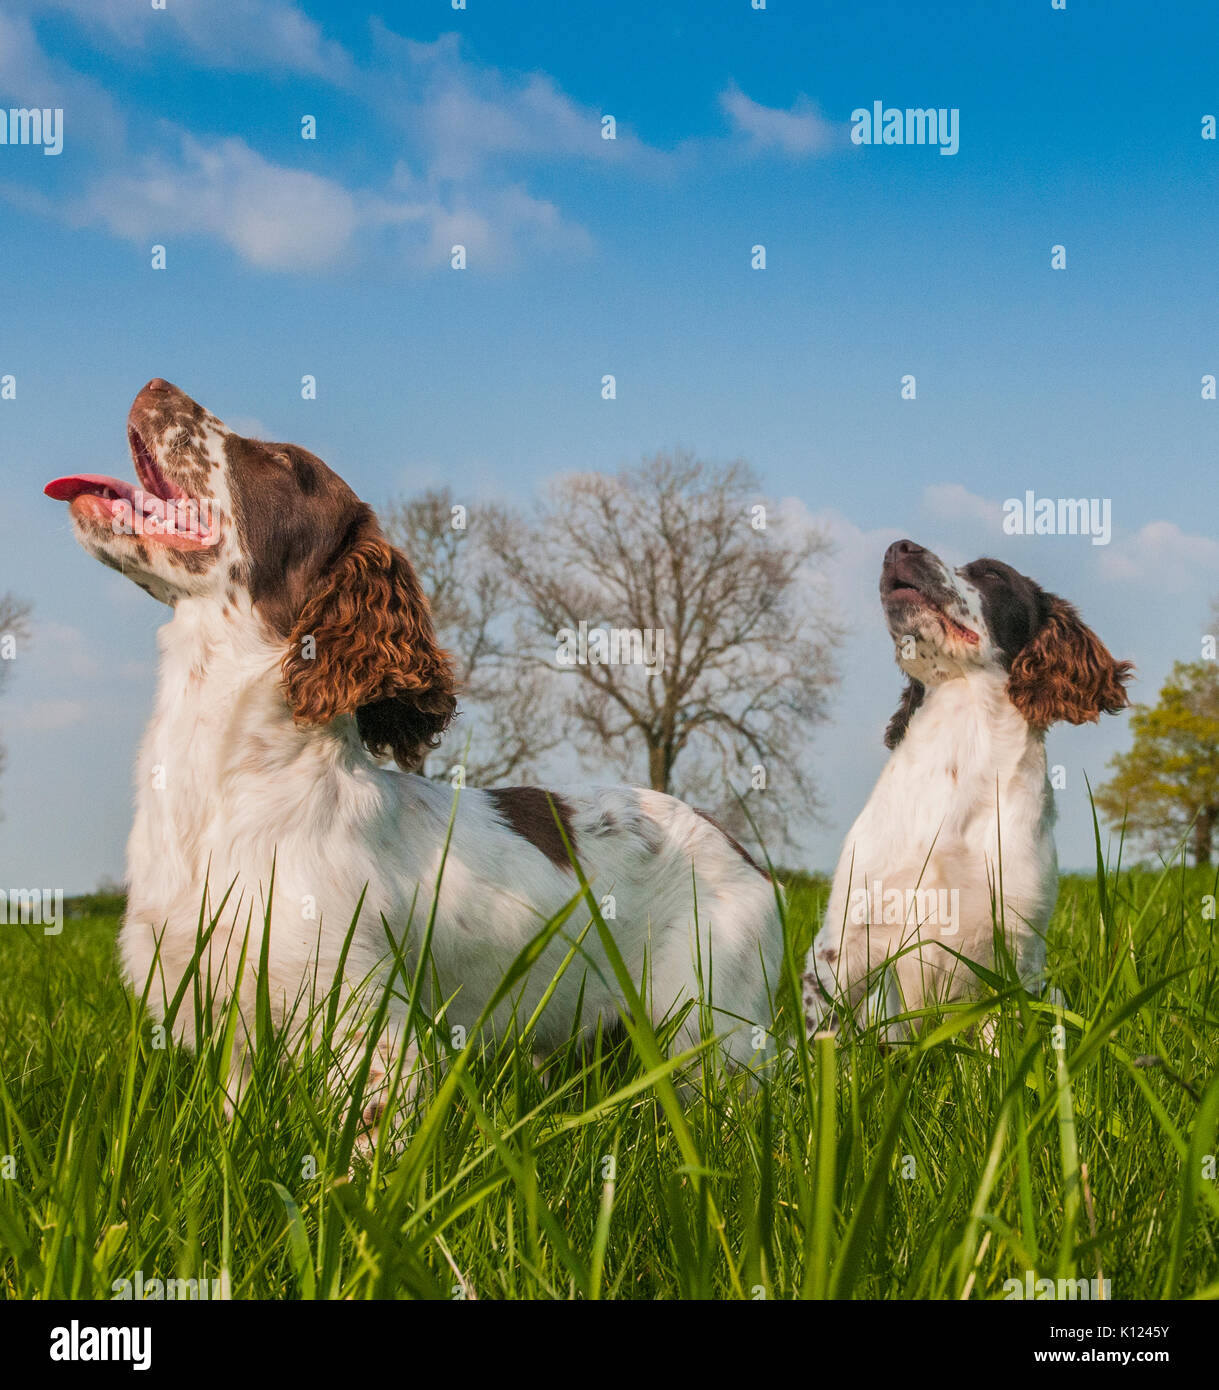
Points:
[(900, 549)]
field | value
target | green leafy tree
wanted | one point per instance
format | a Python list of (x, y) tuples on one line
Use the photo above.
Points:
[(1169, 779)]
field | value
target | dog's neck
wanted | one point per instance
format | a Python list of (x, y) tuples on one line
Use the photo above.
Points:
[(967, 730), (222, 738)]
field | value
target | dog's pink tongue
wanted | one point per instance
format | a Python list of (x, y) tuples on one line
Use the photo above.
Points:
[(66, 489)]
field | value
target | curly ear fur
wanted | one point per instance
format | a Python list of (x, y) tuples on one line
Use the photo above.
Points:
[(374, 653), (912, 697), (1066, 673)]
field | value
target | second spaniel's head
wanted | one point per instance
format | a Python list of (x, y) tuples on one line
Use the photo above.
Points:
[(270, 530), (987, 616)]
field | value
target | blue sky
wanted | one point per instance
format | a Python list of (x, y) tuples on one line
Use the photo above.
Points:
[(330, 257)]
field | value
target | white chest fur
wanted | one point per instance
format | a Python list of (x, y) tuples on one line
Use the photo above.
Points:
[(956, 836)]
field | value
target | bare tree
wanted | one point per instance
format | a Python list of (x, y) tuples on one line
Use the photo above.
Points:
[(686, 554), (14, 628), (507, 707)]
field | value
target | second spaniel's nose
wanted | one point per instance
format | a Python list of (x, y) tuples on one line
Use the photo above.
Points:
[(900, 549), (158, 384)]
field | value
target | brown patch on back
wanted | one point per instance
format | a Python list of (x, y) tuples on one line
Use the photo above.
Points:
[(527, 810), (735, 843)]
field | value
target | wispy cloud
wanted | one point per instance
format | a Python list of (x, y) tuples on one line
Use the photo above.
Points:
[(857, 555), (461, 116), (281, 219), (463, 126), (1162, 556), (273, 217), (799, 131), (493, 224), (63, 649), (239, 36), (31, 77), (467, 145), (249, 427), (44, 716), (954, 501)]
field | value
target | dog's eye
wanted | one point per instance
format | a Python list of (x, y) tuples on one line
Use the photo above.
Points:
[(990, 573)]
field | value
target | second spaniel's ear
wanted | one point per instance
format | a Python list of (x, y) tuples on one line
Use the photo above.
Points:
[(1066, 672), (364, 644), (912, 697)]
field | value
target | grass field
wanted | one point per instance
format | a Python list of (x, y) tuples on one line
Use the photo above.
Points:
[(935, 1171)]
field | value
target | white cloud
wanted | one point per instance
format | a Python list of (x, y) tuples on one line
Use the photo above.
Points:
[(462, 116), (798, 131), (239, 36), (283, 219), (470, 140), (273, 217), (63, 649), (492, 224), (249, 427), (45, 716), (1163, 556), (457, 116), (28, 77), (955, 502), (854, 571)]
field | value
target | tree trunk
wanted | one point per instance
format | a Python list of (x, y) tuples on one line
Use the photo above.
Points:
[(658, 768), (1204, 828)]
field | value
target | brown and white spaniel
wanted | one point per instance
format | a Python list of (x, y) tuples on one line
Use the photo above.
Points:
[(300, 654)]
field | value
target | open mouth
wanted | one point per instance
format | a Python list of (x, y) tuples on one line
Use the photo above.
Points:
[(900, 590), (156, 510), (903, 591), (899, 587)]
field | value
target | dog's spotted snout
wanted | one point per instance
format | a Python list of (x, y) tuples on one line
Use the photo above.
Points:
[(904, 566)]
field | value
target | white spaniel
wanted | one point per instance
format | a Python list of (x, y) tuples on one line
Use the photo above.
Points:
[(956, 843)]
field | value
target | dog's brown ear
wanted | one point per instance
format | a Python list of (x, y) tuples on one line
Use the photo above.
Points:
[(1066, 672), (364, 644), (912, 697)]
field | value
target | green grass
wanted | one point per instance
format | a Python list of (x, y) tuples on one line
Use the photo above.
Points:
[(932, 1171)]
